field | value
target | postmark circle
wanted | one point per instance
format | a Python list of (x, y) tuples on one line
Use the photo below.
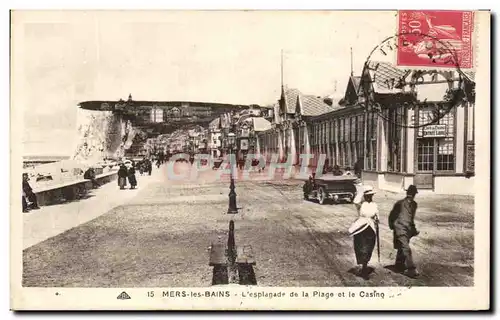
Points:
[(404, 83)]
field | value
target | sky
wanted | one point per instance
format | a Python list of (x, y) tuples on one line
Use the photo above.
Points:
[(63, 58)]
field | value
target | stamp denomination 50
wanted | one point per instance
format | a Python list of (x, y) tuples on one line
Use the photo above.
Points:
[(435, 38)]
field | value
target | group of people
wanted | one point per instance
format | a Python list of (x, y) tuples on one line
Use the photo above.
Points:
[(145, 166), (401, 221), (127, 172), (336, 171)]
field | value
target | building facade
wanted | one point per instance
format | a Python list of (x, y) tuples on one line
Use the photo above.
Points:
[(401, 127), (289, 136)]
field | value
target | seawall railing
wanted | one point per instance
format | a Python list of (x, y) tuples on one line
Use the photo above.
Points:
[(70, 190)]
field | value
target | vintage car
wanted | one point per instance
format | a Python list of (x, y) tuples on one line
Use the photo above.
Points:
[(330, 187)]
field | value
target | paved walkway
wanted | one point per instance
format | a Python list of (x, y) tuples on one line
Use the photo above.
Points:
[(49, 221), (161, 238)]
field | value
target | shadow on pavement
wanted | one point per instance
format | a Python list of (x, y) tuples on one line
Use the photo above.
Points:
[(220, 275), (357, 271), (245, 272), (247, 275), (393, 268)]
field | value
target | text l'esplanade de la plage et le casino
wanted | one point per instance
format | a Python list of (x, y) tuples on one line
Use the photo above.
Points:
[(262, 294)]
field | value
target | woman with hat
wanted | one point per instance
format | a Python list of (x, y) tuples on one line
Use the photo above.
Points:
[(363, 230), (131, 175), (122, 176)]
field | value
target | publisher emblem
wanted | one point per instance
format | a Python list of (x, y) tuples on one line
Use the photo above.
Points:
[(123, 296)]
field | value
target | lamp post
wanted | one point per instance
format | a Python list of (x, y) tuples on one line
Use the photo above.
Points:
[(233, 209)]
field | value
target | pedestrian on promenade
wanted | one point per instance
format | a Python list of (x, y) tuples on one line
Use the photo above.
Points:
[(131, 176), (149, 166), (402, 222), (358, 167), (364, 230), (90, 175), (141, 167), (122, 176), (29, 194), (25, 203), (326, 167)]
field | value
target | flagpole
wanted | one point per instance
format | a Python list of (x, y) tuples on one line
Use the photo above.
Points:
[(282, 79)]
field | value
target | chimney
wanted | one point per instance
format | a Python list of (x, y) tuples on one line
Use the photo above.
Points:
[(328, 101)]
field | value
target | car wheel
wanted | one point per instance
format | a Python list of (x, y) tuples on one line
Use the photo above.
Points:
[(321, 195)]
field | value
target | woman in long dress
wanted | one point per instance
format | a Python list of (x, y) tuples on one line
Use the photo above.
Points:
[(131, 176), (122, 176), (363, 230)]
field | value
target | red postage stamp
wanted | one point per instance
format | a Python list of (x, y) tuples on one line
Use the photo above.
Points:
[(435, 38)]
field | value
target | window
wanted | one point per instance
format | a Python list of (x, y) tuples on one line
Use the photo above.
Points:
[(435, 143), (347, 151), (354, 151), (353, 128), (316, 140), (347, 129), (361, 137), (395, 132), (301, 137), (314, 133), (445, 155), (334, 143), (341, 131), (331, 131), (325, 128), (371, 140), (470, 122), (425, 161), (340, 155), (319, 133)]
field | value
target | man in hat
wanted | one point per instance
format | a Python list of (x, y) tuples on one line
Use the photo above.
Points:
[(402, 222)]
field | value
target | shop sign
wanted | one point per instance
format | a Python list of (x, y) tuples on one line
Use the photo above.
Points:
[(245, 132), (470, 158), (244, 144), (435, 130)]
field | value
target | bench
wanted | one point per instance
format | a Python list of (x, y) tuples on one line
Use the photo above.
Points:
[(218, 255), (232, 263), (240, 272), (70, 190)]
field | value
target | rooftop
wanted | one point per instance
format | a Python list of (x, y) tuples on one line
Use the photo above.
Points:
[(313, 105)]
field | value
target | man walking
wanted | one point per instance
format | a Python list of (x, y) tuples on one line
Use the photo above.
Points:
[(401, 221)]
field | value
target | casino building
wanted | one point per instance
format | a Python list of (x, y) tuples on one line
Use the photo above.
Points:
[(387, 123)]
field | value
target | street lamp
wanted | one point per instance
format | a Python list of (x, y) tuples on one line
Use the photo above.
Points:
[(233, 209)]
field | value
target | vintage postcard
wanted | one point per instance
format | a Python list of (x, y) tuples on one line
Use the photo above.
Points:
[(250, 160)]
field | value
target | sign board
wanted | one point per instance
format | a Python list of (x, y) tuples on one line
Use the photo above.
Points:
[(424, 180), (245, 132), (244, 144), (470, 158), (435, 130)]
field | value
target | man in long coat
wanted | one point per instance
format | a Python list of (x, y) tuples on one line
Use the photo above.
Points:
[(402, 222)]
